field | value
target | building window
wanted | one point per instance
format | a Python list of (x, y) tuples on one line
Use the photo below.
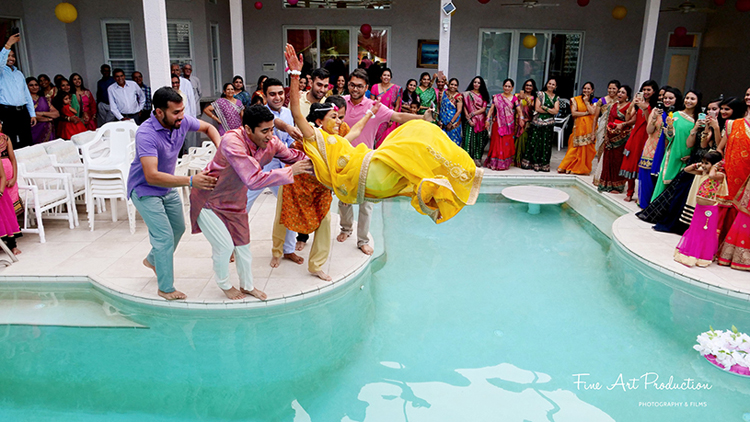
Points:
[(118, 44), (333, 47), (556, 54), (216, 58), (180, 38)]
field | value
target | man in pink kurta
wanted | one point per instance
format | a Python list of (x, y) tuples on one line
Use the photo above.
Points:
[(238, 165)]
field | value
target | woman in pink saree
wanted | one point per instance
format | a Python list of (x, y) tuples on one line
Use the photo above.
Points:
[(388, 94)]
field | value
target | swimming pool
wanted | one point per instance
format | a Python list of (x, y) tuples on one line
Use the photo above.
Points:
[(487, 317)]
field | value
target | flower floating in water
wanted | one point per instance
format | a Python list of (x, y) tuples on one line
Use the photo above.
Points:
[(729, 350)]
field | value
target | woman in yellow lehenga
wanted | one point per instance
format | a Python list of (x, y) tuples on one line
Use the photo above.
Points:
[(581, 148), (416, 160)]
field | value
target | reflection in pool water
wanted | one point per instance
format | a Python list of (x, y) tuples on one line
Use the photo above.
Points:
[(486, 317)]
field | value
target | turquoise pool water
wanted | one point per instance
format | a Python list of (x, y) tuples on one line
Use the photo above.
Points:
[(485, 318)]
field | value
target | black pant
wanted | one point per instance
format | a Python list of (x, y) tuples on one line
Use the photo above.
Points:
[(301, 237), (16, 124)]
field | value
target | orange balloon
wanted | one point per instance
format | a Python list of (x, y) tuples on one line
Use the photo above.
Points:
[(619, 12)]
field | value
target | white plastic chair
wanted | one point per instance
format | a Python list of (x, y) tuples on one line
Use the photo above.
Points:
[(45, 190), (66, 158), (106, 162), (560, 130), (199, 157)]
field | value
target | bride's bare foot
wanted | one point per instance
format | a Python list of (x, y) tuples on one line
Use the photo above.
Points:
[(275, 262), (149, 266), (175, 295), (234, 294), (321, 275), (366, 249), (300, 246), (294, 258), (16, 251), (231, 258), (342, 236), (254, 293)]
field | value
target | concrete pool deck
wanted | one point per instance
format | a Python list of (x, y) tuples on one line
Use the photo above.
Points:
[(111, 256)]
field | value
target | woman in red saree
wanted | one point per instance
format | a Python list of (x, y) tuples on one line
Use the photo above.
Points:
[(618, 131)]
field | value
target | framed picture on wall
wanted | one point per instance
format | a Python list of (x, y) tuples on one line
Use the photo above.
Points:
[(427, 54)]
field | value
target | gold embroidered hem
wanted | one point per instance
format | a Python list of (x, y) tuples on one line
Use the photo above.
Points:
[(580, 141)]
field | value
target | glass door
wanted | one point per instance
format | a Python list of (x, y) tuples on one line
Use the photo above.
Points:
[(532, 62), (494, 58), (305, 41), (334, 51), (563, 63)]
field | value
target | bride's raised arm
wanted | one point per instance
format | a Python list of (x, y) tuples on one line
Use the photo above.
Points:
[(295, 67)]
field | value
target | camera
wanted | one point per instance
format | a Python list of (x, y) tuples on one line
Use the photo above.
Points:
[(660, 105)]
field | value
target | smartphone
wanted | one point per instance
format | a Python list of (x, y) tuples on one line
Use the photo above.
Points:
[(15, 30), (702, 116), (713, 113), (660, 105), (639, 96)]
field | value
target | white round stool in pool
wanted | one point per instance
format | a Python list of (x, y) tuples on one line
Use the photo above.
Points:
[(535, 196)]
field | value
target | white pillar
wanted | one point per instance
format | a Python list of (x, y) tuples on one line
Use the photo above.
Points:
[(445, 40), (157, 46), (648, 41), (238, 38)]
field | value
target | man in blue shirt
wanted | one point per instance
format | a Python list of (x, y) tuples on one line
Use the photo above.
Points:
[(273, 90), (103, 113), (16, 106)]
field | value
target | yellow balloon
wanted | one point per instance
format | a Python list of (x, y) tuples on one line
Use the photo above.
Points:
[(66, 12), (529, 41), (619, 12)]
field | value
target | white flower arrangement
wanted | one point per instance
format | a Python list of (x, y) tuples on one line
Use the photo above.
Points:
[(729, 349)]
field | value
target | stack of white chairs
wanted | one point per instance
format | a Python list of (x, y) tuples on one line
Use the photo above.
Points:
[(67, 158), (198, 157), (44, 189), (106, 162)]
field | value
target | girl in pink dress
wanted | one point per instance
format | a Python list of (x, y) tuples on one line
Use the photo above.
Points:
[(700, 242), (9, 229)]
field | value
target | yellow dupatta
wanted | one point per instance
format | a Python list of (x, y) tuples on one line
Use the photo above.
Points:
[(416, 160)]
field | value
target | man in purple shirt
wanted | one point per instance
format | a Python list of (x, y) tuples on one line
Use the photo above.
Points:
[(357, 105), (157, 143)]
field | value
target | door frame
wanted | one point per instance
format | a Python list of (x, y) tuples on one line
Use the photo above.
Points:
[(693, 52)]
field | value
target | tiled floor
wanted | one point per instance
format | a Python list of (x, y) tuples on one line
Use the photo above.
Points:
[(112, 256)]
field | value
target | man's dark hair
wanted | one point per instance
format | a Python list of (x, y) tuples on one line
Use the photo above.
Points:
[(118, 70), (132, 75), (105, 66), (255, 115), (319, 73), (165, 95), (269, 83), (361, 74)]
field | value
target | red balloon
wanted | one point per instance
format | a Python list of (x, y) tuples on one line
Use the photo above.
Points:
[(365, 29), (583, 3), (680, 31), (720, 2), (484, 1), (292, 2), (743, 5), (258, 5)]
